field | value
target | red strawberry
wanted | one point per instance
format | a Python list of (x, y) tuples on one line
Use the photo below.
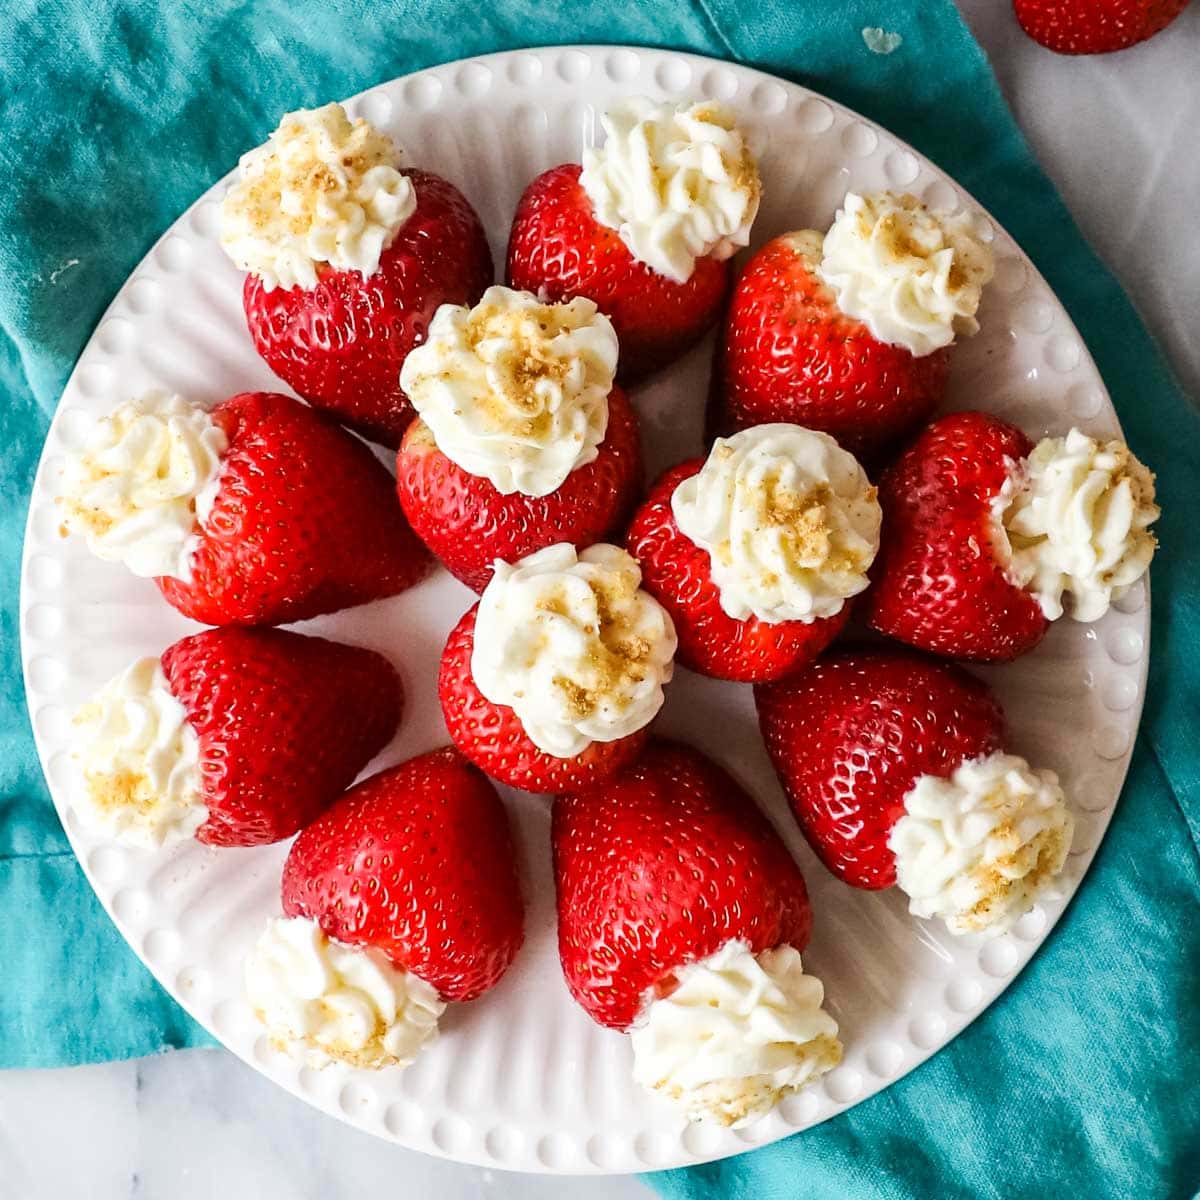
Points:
[(677, 573), (305, 522), (1094, 26), (789, 354), (341, 344), (417, 862), (468, 524), (850, 735), (938, 582), (492, 737), (285, 722), (661, 866), (559, 250)]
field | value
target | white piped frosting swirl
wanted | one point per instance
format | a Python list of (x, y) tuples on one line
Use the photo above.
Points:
[(978, 848), (1076, 515), (789, 520), (140, 760), (142, 487), (913, 277), (323, 189), (677, 183), (739, 1032), (324, 1001), (574, 646), (514, 390)]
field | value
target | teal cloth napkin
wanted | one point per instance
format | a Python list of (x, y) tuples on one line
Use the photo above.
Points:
[(1084, 1075)]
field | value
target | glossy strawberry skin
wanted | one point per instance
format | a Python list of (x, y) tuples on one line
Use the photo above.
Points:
[(491, 735), (418, 862), (1094, 26), (285, 723), (341, 344), (678, 574), (661, 866), (788, 354), (468, 524), (305, 522), (558, 250), (849, 736), (938, 582)]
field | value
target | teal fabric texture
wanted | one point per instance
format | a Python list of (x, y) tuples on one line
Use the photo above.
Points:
[(1085, 1073)]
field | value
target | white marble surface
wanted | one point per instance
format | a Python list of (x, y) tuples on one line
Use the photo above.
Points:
[(1118, 135)]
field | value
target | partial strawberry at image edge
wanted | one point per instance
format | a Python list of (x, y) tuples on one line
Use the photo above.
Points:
[(677, 573), (1094, 26), (284, 721), (660, 866), (491, 736), (938, 583), (558, 250), (787, 354), (305, 521), (468, 524), (849, 735), (417, 862), (341, 344)]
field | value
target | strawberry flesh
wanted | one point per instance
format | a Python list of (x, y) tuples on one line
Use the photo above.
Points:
[(850, 735), (1094, 26), (678, 574), (492, 737), (939, 582), (341, 344), (558, 250), (417, 862), (305, 522), (661, 866), (468, 524), (285, 723), (789, 354)]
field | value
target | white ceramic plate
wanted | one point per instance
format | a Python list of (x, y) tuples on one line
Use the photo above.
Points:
[(522, 1079)]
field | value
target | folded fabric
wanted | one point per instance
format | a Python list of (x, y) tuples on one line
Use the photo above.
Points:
[(1084, 1073)]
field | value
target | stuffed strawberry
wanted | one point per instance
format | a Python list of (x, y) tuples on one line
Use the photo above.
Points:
[(1094, 26), (894, 766), (681, 918), (986, 535), (850, 333), (236, 736), (522, 439), (259, 512), (402, 896), (348, 256), (548, 683), (644, 228), (756, 551)]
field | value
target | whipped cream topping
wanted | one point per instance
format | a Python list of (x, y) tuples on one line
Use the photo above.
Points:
[(738, 1032), (1076, 516), (977, 849), (677, 183), (144, 483), (514, 390), (913, 277), (324, 1001), (140, 760), (573, 645), (323, 189), (789, 520)]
